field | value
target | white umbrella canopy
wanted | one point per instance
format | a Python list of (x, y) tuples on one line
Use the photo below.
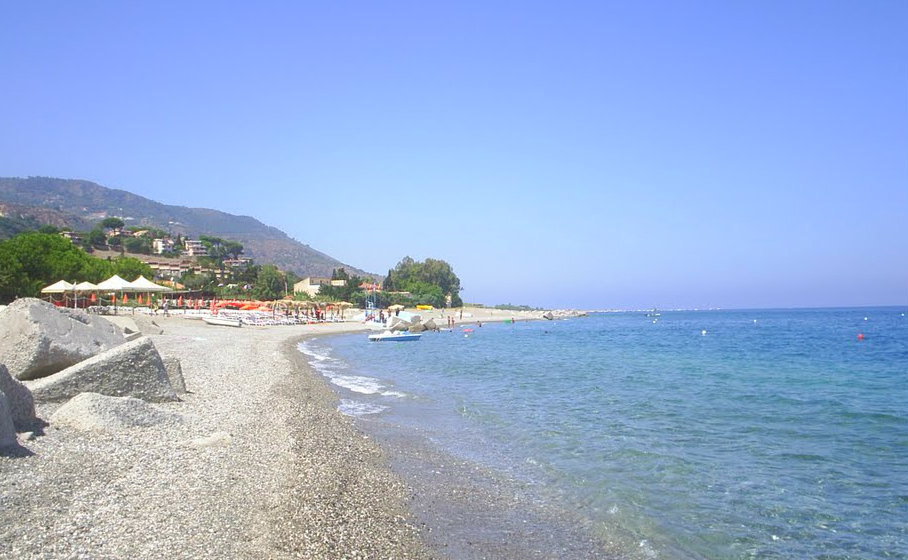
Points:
[(57, 288), (85, 287), (115, 284), (142, 284)]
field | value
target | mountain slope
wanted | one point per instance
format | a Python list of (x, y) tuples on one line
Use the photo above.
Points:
[(80, 204)]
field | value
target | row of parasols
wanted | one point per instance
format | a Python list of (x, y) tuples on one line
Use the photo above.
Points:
[(118, 289), (114, 286)]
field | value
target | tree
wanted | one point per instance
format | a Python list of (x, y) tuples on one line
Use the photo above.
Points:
[(30, 261), (96, 238), (141, 245), (131, 268), (269, 284), (421, 279), (112, 223)]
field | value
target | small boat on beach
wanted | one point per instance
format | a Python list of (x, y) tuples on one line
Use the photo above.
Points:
[(223, 321), (389, 336)]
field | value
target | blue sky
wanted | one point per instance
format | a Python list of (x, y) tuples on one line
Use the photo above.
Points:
[(574, 154)]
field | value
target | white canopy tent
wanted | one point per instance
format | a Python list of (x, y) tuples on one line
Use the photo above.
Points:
[(59, 287), (115, 284), (142, 284), (85, 287)]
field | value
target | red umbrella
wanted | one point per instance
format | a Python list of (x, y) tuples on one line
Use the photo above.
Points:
[(125, 298)]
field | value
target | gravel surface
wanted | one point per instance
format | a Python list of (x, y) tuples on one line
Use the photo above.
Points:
[(262, 466)]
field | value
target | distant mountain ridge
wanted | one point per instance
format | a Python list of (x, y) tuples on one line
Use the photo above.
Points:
[(82, 204)]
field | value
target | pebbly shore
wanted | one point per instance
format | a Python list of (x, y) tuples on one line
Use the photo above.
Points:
[(259, 464)]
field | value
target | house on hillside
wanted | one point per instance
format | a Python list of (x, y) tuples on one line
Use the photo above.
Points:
[(238, 262), (74, 237), (162, 245), (311, 284), (194, 248)]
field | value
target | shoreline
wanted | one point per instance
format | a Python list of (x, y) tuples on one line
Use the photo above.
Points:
[(262, 466)]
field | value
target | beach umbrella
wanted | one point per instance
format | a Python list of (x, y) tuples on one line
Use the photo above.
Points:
[(142, 284), (139, 299), (85, 287), (125, 298), (59, 287)]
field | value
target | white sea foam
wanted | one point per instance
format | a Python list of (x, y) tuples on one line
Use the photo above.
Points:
[(307, 350), (356, 408), (357, 383)]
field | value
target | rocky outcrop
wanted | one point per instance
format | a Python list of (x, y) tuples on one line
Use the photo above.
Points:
[(175, 374), (132, 369), (398, 324), (7, 429), (92, 411), (136, 324), (38, 339), (20, 401)]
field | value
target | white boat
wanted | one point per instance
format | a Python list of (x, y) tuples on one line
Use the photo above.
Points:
[(389, 336), (223, 321)]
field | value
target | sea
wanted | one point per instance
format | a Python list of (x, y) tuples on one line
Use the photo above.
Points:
[(677, 434)]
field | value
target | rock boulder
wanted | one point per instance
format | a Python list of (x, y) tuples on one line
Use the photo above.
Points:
[(133, 369), (175, 374), (7, 430), (91, 411), (20, 401), (38, 339)]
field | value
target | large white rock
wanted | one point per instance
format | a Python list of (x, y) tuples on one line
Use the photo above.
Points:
[(133, 369), (91, 411), (138, 323), (38, 339), (7, 430), (21, 402)]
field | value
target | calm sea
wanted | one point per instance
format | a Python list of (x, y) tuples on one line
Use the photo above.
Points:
[(714, 434)]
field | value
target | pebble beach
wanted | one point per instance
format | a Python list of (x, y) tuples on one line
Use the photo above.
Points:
[(255, 463)]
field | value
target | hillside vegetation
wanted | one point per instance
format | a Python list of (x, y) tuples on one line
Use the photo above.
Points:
[(75, 203)]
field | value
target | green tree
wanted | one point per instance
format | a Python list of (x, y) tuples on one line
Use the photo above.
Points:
[(131, 268), (140, 245), (112, 223), (31, 261), (96, 238), (269, 284), (421, 279)]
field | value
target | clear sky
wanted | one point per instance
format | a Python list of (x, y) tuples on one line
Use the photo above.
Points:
[(588, 154)]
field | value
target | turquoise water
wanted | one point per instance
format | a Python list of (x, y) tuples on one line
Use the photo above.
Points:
[(718, 434)]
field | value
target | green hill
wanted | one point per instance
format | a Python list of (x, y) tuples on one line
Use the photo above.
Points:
[(79, 205)]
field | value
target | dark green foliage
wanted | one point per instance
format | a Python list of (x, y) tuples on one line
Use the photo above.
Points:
[(140, 245), (270, 284), (10, 226), (112, 223), (31, 261), (430, 282)]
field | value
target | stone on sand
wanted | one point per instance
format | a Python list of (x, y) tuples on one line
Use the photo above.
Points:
[(7, 430), (20, 401), (175, 374), (136, 324), (92, 411), (132, 369), (38, 339)]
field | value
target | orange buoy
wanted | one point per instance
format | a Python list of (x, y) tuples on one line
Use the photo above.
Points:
[(860, 336)]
